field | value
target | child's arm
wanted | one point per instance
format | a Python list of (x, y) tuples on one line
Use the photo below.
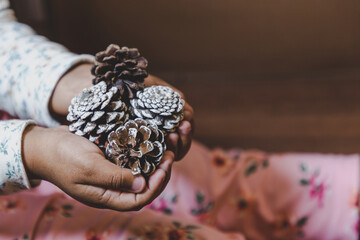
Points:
[(30, 67), (34, 66)]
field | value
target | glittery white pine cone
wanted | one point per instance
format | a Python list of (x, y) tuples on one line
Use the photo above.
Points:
[(96, 111), (160, 105)]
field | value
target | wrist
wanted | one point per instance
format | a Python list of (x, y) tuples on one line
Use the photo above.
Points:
[(70, 85), (32, 151)]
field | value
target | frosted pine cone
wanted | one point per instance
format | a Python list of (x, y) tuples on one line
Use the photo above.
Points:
[(138, 145), (160, 105), (97, 111), (122, 67)]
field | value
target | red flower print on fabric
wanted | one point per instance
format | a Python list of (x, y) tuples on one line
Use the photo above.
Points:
[(52, 210), (244, 204), (222, 162), (175, 231), (255, 161), (204, 206), (12, 205), (289, 227), (92, 234), (161, 204), (354, 203), (316, 183)]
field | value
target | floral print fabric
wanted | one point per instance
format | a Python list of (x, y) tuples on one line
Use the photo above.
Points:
[(12, 172), (30, 67), (211, 195)]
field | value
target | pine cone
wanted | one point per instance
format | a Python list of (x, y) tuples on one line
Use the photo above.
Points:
[(160, 105), (122, 67), (95, 112), (138, 145)]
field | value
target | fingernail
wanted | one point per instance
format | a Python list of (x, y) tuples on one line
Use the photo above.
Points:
[(138, 184), (174, 137), (185, 128)]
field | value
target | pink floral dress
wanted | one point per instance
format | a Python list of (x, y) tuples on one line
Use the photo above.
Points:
[(216, 195)]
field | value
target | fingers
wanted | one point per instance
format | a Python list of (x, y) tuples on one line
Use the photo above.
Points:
[(110, 176), (179, 143), (185, 131), (172, 141), (152, 80), (155, 181), (184, 142), (156, 184), (188, 112)]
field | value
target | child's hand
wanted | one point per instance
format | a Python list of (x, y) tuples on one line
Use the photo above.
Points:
[(79, 168), (80, 77), (180, 141)]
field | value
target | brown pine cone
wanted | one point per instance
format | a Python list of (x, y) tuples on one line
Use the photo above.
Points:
[(121, 67), (160, 105), (138, 145), (95, 112)]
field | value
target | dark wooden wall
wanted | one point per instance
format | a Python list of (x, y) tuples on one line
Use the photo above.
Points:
[(277, 75)]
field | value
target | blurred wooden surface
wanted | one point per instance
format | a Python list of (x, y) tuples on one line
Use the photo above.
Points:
[(257, 37), (314, 112), (276, 75)]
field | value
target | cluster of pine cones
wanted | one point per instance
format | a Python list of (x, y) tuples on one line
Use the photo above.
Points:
[(126, 120)]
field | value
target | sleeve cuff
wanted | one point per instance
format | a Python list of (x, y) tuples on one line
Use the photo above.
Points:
[(13, 176), (59, 66)]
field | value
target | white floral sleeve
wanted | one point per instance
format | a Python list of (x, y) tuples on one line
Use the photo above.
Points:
[(30, 66), (12, 172)]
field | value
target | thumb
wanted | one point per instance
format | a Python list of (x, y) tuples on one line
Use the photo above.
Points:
[(111, 176)]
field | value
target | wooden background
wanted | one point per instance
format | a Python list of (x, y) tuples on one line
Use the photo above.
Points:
[(276, 75)]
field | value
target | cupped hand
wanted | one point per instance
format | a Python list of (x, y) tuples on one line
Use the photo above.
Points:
[(78, 78), (180, 141), (80, 169)]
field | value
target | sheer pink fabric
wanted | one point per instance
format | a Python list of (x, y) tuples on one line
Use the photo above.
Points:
[(212, 195)]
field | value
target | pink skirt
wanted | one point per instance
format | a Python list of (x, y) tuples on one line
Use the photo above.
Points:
[(212, 195)]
